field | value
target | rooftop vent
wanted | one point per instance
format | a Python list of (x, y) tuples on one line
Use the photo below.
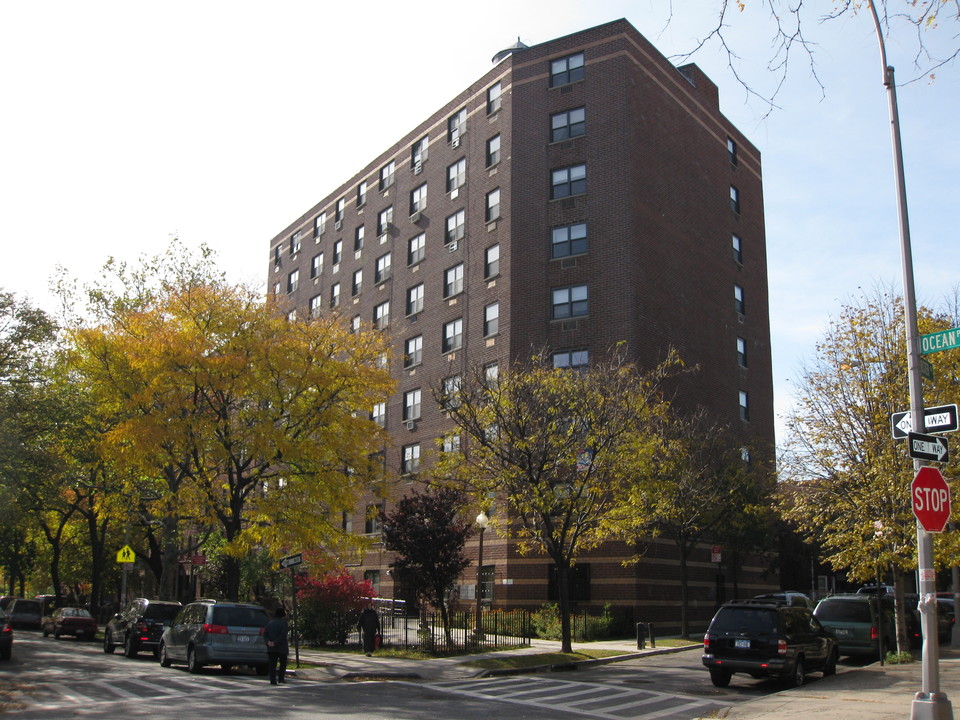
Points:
[(516, 47)]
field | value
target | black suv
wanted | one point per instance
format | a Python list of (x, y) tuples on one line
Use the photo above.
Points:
[(764, 638), (139, 626)]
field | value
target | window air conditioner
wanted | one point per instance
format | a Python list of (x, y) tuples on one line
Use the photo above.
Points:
[(339, 224), (415, 218), (452, 247), (410, 424)]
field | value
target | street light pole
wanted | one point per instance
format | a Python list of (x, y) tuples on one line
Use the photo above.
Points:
[(482, 521), (929, 703)]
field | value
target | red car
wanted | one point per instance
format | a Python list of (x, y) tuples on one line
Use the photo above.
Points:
[(70, 621)]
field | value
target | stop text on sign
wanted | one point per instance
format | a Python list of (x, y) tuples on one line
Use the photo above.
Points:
[(934, 500)]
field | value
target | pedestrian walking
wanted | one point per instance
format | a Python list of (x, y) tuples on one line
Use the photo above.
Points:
[(369, 626), (275, 635)]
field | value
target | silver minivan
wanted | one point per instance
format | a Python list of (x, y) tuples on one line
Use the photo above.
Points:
[(210, 632)]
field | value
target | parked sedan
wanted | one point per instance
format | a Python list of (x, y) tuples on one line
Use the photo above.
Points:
[(70, 621)]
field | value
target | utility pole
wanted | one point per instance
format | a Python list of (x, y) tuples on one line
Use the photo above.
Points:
[(929, 703)]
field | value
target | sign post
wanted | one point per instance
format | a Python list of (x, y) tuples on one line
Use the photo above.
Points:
[(291, 561)]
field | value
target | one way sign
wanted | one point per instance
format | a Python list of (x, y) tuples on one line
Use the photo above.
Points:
[(942, 418), (928, 447)]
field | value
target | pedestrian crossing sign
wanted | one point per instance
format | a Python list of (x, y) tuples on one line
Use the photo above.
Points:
[(126, 555)]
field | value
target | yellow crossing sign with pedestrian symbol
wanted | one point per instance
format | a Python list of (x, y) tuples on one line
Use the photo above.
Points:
[(126, 555)]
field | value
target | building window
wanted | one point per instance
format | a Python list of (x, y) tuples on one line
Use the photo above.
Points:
[(358, 238), (381, 315), (494, 99), (491, 373), (456, 126), (456, 175), (293, 281), (316, 265), (491, 262), (387, 173), (741, 352), (732, 151), (319, 225), (568, 124), (493, 205), (451, 444), (278, 255), (416, 249), (450, 391), (373, 577), (379, 414), (418, 199), (568, 181), (419, 152), (383, 221), (355, 324), (744, 405), (346, 521), (414, 352), (357, 285), (453, 335), (362, 194), (568, 240), (276, 289), (337, 252), (569, 302), (372, 519), (411, 405), (295, 243), (493, 151), (566, 70), (737, 250), (334, 295), (491, 319), (453, 281), (455, 227), (316, 303), (411, 459), (735, 199), (341, 205), (415, 299), (571, 359), (382, 269), (738, 299)]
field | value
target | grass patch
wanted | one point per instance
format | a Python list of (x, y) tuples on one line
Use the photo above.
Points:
[(675, 642), (387, 651), (534, 659)]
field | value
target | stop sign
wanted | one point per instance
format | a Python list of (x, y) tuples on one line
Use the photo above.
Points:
[(931, 499)]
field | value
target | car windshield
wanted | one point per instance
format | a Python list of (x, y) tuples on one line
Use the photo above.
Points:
[(30, 606), (754, 620), (858, 612), (161, 612), (75, 612), (240, 616)]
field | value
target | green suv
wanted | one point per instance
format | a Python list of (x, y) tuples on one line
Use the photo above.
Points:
[(855, 621), (767, 639), (211, 632)]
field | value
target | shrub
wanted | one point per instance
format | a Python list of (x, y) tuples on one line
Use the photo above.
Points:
[(329, 606)]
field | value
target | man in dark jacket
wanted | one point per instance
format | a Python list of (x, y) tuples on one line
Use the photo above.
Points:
[(275, 635), (369, 626)]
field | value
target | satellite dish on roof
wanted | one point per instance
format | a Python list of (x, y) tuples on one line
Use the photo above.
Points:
[(516, 47)]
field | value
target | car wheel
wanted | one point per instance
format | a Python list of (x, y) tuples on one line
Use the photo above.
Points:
[(226, 669), (720, 677), (798, 675), (46, 633), (164, 658), (129, 646), (5, 653), (830, 667), (192, 664), (108, 647), (56, 635)]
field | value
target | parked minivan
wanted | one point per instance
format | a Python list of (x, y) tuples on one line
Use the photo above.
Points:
[(210, 632), (23, 613), (855, 621)]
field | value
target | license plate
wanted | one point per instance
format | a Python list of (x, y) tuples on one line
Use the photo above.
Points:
[(841, 632), (742, 644), (243, 638)]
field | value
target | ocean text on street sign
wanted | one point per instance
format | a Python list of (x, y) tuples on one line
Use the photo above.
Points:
[(291, 560), (943, 340), (942, 418), (927, 447), (930, 496)]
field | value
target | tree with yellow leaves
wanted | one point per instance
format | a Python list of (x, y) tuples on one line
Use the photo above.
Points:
[(240, 418)]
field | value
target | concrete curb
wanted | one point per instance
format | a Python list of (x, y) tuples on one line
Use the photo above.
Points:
[(577, 664)]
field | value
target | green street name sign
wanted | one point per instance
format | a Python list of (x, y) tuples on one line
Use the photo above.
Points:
[(943, 340)]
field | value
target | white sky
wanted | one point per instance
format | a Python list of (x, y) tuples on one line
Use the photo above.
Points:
[(124, 123)]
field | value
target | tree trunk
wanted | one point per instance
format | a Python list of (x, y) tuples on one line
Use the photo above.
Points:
[(169, 556), (684, 618), (563, 597)]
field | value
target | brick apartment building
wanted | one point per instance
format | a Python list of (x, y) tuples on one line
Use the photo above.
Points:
[(583, 192)]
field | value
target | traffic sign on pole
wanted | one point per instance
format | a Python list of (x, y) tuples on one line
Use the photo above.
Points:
[(291, 560), (942, 418), (930, 496), (927, 447), (943, 340)]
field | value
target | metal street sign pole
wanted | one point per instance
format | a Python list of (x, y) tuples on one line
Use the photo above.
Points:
[(930, 703)]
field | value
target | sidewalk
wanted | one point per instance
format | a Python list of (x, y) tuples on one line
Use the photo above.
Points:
[(873, 692)]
